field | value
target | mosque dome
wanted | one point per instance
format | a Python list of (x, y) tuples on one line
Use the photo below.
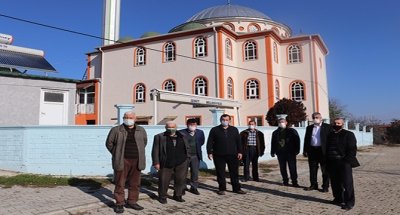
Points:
[(150, 34), (188, 26), (228, 11), (125, 39)]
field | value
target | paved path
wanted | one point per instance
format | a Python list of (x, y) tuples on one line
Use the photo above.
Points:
[(377, 188)]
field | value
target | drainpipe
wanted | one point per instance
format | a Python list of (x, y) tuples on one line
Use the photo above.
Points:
[(312, 74), (101, 87), (215, 64)]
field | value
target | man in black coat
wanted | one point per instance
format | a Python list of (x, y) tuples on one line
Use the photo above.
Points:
[(315, 148), (341, 152), (225, 147), (285, 143)]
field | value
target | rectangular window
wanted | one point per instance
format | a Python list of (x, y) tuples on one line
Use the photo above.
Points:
[(258, 119), (53, 97)]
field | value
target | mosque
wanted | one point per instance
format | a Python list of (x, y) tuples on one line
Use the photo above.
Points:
[(228, 57)]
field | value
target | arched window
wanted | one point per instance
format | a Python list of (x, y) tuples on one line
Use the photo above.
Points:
[(294, 54), (169, 52), (275, 52), (200, 87), (250, 50), (169, 85), (253, 28), (200, 46), (276, 30), (252, 89), (276, 91), (228, 49), (230, 26), (140, 93), (297, 91), (140, 56), (229, 84)]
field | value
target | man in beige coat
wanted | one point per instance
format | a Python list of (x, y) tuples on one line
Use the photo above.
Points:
[(126, 144)]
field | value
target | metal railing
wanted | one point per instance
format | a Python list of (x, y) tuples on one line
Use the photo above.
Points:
[(84, 108)]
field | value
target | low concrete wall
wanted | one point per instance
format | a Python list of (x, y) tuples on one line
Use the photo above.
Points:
[(80, 150)]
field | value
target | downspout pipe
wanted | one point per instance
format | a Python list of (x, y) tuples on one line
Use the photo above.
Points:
[(312, 74), (216, 63), (101, 87)]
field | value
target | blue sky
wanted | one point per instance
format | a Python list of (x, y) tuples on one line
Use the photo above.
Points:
[(362, 37)]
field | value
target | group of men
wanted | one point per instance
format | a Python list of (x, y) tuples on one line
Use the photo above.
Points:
[(331, 148)]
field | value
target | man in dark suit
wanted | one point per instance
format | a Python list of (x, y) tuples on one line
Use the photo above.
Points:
[(196, 140), (170, 155), (225, 148), (315, 148), (285, 143), (341, 152)]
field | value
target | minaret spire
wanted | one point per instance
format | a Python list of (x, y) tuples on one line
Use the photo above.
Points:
[(229, 2)]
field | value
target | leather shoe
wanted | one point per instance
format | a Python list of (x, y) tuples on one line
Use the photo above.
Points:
[(178, 199), (312, 187), (194, 191), (324, 190), (162, 200), (240, 192), (285, 184), (119, 209), (296, 185), (335, 202), (347, 207), (136, 207), (221, 192)]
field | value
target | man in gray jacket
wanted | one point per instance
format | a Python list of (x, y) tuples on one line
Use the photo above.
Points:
[(126, 144)]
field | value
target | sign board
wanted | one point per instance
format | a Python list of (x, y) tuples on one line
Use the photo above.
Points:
[(196, 100)]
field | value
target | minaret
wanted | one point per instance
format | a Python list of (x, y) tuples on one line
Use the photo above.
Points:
[(111, 16)]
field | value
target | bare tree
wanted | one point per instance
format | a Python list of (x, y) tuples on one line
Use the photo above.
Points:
[(336, 109), (393, 132)]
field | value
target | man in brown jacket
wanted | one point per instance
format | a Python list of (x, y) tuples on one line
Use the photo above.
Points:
[(253, 147), (126, 144)]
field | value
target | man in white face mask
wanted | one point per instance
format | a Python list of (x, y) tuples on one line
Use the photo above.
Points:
[(195, 138), (285, 143), (127, 143), (314, 148), (253, 147)]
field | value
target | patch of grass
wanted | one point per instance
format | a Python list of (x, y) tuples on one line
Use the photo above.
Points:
[(267, 165), (266, 170), (50, 181), (207, 172), (147, 182)]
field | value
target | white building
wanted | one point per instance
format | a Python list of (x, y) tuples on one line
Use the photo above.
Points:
[(228, 52)]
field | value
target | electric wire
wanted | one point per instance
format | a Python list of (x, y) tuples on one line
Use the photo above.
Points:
[(156, 50)]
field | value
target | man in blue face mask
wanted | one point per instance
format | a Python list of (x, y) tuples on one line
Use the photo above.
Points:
[(127, 143), (170, 154), (225, 147)]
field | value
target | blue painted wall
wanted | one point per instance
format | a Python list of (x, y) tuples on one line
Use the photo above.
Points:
[(80, 150)]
